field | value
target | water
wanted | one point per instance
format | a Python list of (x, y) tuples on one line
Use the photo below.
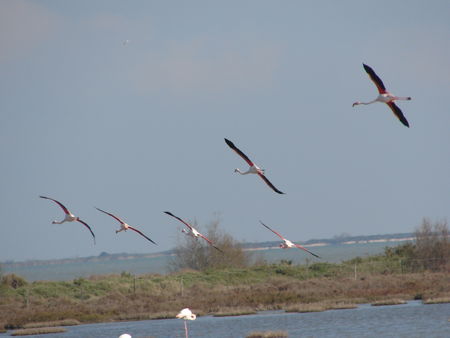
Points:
[(409, 320), (147, 265)]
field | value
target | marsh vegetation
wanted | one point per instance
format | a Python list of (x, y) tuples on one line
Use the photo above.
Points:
[(232, 290)]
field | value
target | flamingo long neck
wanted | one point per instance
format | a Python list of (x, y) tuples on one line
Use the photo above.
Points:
[(242, 172), (366, 103)]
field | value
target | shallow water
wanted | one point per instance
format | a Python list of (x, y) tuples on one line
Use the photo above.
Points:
[(409, 320)]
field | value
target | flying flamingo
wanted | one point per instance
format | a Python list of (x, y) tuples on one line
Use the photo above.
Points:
[(254, 169), (69, 216), (384, 96), (287, 243), (192, 231), (124, 226), (186, 314)]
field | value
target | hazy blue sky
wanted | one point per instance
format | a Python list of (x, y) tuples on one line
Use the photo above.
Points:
[(138, 129)]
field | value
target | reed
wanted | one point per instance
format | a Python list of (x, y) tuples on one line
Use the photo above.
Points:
[(36, 331)]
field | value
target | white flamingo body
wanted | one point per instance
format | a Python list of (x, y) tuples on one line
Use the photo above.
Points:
[(287, 244), (69, 217), (253, 168), (124, 226), (186, 314), (191, 231), (384, 96)]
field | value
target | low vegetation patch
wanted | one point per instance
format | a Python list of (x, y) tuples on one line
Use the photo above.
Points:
[(267, 334), (319, 307), (35, 331), (64, 322), (343, 306), (388, 302), (302, 308), (439, 300), (235, 312)]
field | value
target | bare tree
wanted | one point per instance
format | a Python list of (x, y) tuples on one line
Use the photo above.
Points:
[(432, 247), (197, 254)]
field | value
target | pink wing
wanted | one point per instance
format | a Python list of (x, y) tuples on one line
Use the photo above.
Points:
[(397, 112), (87, 226), (239, 152), (59, 203), (265, 179), (300, 247), (211, 243), (276, 233), (178, 218), (117, 218), (375, 79), (140, 233)]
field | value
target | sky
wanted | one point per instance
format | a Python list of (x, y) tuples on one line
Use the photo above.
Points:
[(138, 128)]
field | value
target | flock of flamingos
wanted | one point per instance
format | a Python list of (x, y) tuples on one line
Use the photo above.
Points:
[(384, 96)]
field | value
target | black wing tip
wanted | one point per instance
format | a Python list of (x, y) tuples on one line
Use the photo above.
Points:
[(151, 240), (230, 144)]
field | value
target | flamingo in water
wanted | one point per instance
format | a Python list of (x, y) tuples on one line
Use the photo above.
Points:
[(192, 231), (124, 226), (384, 96), (186, 314), (254, 169), (69, 217), (287, 243)]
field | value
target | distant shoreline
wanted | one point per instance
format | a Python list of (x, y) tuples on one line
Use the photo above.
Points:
[(250, 247)]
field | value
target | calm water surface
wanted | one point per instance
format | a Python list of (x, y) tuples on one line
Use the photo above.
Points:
[(410, 320)]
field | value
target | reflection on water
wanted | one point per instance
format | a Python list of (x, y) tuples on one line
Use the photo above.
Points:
[(409, 320)]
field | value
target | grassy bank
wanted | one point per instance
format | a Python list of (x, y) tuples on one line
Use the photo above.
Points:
[(222, 292)]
